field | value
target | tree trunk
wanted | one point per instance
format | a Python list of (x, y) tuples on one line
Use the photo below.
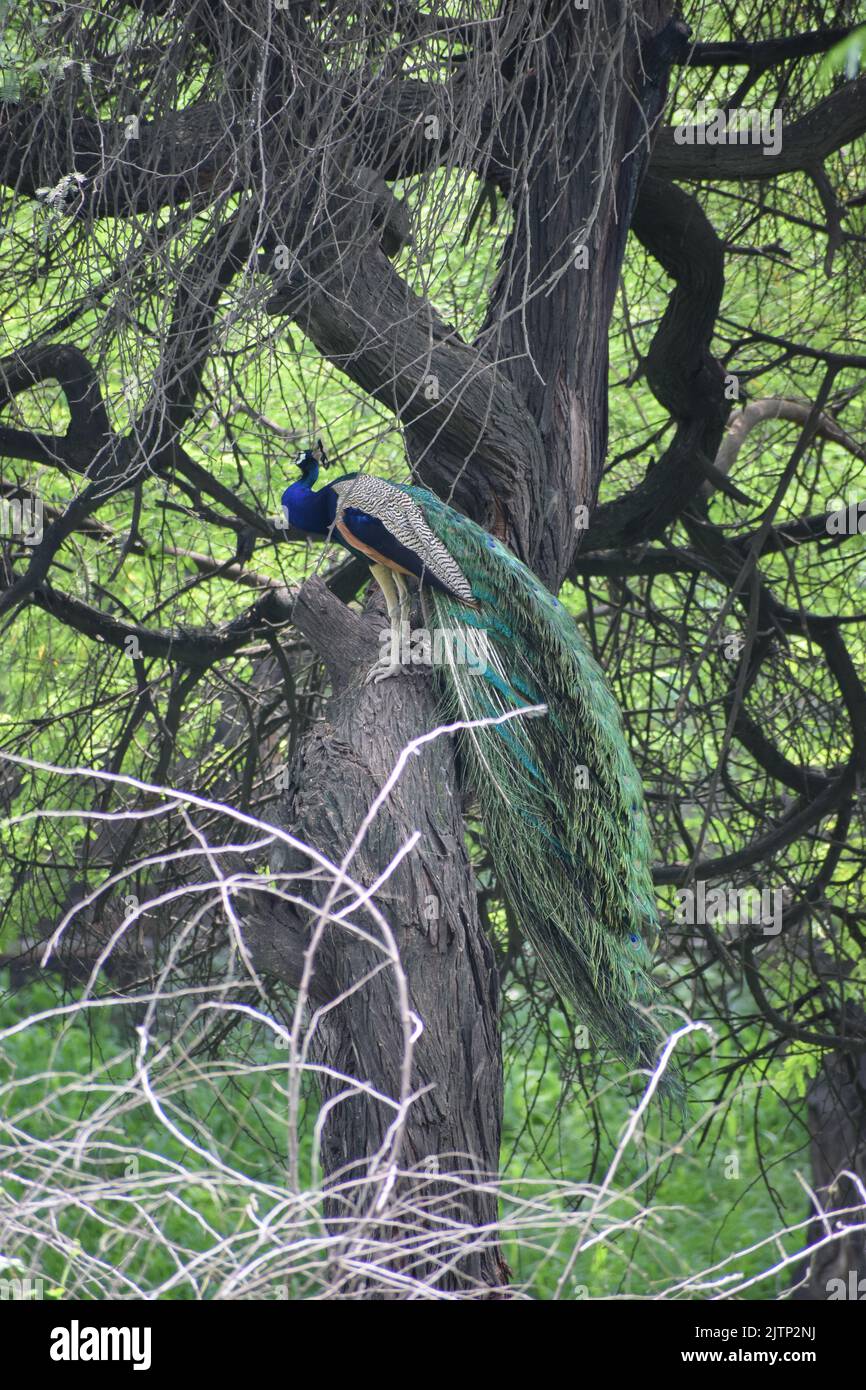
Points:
[(453, 1064), (837, 1125)]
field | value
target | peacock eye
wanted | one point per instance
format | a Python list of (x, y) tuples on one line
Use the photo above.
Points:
[(633, 938)]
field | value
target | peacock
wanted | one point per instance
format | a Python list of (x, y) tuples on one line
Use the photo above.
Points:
[(561, 785)]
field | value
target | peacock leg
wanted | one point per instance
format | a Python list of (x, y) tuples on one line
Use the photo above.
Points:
[(390, 665), (405, 602)]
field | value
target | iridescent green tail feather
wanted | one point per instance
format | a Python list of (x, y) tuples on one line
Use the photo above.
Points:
[(559, 794)]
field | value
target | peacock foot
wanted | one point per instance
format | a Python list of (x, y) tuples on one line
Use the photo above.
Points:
[(382, 671)]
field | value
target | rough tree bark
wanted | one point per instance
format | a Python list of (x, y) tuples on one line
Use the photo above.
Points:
[(430, 904)]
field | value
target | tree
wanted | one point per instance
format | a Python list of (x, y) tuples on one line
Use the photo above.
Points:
[(207, 203)]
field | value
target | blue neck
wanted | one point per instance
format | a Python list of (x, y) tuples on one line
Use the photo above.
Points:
[(310, 469), (307, 510)]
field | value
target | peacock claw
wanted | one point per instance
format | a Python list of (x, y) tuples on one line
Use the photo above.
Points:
[(382, 671)]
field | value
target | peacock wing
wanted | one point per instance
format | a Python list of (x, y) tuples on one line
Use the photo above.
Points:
[(402, 517)]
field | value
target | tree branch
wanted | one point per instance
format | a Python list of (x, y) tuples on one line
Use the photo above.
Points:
[(193, 647), (834, 122)]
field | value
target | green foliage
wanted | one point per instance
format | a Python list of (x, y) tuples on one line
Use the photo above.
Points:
[(70, 1083), (66, 1078), (722, 1199)]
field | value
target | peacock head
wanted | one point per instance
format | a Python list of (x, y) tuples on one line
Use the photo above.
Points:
[(310, 461)]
